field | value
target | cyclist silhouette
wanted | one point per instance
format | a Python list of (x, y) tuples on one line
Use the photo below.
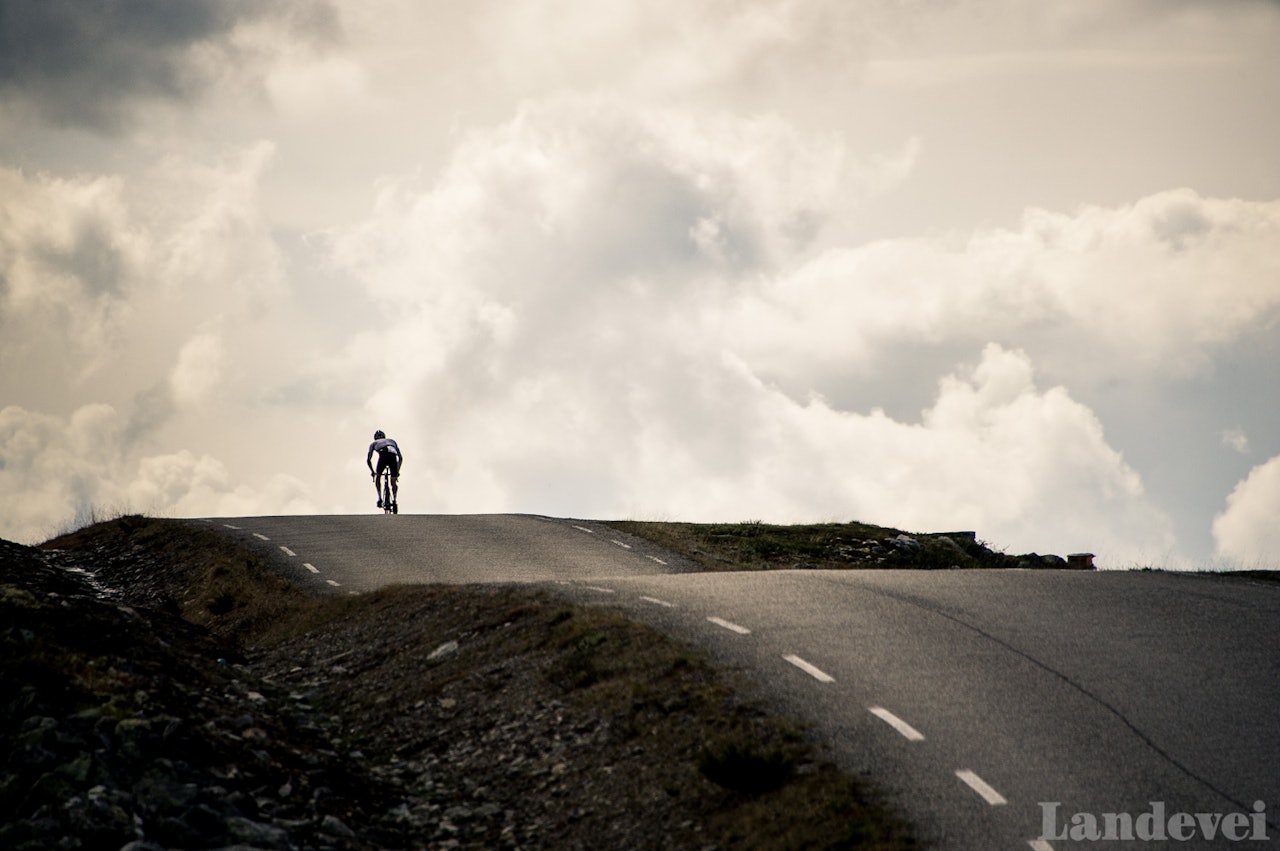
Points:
[(389, 457)]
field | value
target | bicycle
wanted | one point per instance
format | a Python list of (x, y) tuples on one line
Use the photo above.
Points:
[(389, 503)]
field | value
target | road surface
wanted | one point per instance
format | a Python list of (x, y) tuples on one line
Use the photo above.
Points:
[(994, 707)]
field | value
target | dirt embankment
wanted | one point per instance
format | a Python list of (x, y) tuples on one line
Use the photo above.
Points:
[(165, 690)]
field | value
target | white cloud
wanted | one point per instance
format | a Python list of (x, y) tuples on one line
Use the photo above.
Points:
[(310, 87), (185, 485), (54, 469), (508, 216), (69, 261), (1236, 439), (199, 368), (96, 66), (51, 468), (127, 305), (56, 472), (1152, 289), (737, 49), (214, 241), (560, 345), (658, 297), (1246, 533), (97, 271)]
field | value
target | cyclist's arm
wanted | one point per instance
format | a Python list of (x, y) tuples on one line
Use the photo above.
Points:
[(368, 458)]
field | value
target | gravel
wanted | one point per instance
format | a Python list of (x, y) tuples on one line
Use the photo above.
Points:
[(164, 690)]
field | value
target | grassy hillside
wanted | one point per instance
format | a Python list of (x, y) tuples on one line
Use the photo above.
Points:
[(838, 546), (169, 687)]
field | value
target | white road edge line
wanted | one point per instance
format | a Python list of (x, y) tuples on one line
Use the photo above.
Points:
[(261, 537), (729, 625), (311, 567), (229, 526), (658, 602), (655, 558), (1040, 845), (585, 529), (813, 671), (911, 733), (599, 588), (624, 546), (290, 553), (334, 584), (977, 784)]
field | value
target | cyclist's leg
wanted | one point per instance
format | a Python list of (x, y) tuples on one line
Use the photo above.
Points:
[(377, 479), (395, 480)]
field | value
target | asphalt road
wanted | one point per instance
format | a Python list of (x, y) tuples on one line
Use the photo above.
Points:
[(976, 699)]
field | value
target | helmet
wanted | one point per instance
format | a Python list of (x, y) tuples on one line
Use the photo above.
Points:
[(378, 435)]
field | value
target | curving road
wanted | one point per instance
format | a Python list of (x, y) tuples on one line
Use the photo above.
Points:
[(977, 699)]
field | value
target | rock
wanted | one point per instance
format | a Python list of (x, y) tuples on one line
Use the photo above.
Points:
[(906, 544), (1035, 561), (333, 826), (257, 834), (173, 749), (950, 544), (446, 649), (138, 741)]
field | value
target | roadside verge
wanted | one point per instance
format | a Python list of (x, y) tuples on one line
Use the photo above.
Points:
[(416, 716)]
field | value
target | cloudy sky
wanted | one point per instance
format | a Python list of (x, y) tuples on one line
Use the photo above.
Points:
[(1002, 265)]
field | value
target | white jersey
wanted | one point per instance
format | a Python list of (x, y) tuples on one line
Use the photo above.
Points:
[(385, 444)]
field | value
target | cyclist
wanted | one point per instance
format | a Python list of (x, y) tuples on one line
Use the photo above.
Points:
[(388, 457)]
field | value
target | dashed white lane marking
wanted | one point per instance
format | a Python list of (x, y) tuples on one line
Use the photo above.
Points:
[(977, 784), (812, 670), (585, 529), (261, 537), (290, 553), (658, 602), (1040, 845), (911, 733), (599, 588), (334, 584), (624, 546), (229, 526), (311, 567), (729, 625), (655, 558)]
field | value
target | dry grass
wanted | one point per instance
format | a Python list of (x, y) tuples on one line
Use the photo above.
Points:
[(763, 546), (677, 726)]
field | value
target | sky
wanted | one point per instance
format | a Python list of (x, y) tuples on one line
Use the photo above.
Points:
[(1008, 266)]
